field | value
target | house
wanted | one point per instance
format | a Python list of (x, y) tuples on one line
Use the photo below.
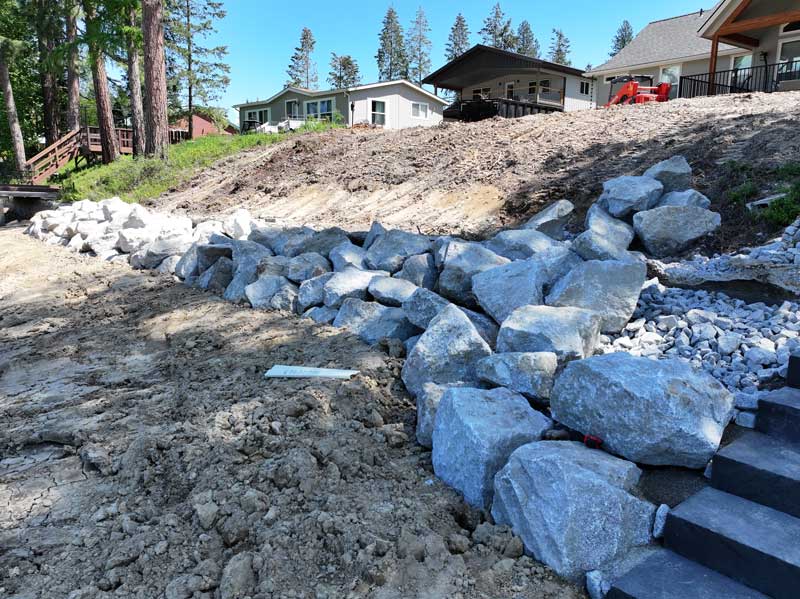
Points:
[(488, 81), (203, 125), (388, 104), (683, 51)]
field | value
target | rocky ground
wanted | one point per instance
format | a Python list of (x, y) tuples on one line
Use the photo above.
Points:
[(484, 175), (143, 455)]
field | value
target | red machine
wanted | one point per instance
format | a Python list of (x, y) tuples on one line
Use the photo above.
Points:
[(637, 89)]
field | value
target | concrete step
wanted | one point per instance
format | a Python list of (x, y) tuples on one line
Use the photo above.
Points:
[(779, 414), (667, 575), (762, 469), (751, 543)]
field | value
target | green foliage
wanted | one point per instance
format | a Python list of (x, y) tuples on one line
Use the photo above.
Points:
[(458, 40), (527, 43), (622, 38), (746, 192), (392, 58), (302, 71), (418, 48), (559, 48), (784, 211), (344, 71), (497, 30), (788, 171)]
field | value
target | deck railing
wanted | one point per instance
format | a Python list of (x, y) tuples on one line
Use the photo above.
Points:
[(544, 95), (763, 78)]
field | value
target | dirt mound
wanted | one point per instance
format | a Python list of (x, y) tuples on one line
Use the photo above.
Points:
[(485, 175), (142, 454)]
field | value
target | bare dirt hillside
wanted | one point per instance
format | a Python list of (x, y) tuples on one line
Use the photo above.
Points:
[(485, 175), (143, 455)]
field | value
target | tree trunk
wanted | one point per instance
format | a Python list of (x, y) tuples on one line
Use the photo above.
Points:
[(135, 90), (17, 141), (47, 77), (155, 78), (189, 76), (105, 116), (73, 77)]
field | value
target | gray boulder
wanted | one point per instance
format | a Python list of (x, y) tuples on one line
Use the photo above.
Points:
[(312, 292), (375, 231), (321, 242), (238, 577), (153, 254), (427, 404), (274, 265), (307, 266), (652, 412), (624, 195), (390, 291), (285, 299), (475, 432), (445, 353), (275, 238), (347, 255), (217, 278), (553, 219), (261, 293), (420, 270), (389, 250), (689, 197), (463, 261), (321, 314), (187, 265), (373, 322), (572, 505), (208, 254), (486, 327), (529, 373), (610, 288), (423, 305), (670, 230), (568, 332), (132, 240), (348, 283), (674, 174), (167, 266), (247, 256), (590, 245), (520, 244)]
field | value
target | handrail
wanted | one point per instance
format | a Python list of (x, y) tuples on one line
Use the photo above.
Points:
[(52, 146), (761, 78)]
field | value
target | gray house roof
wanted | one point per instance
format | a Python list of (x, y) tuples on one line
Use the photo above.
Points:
[(663, 42)]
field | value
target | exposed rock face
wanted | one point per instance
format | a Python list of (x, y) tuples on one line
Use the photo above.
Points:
[(461, 262), (520, 244), (652, 412), (445, 353), (590, 245), (474, 433), (348, 283), (610, 288), (427, 404), (568, 332), (529, 373), (321, 242), (307, 266), (389, 250), (347, 254), (624, 195), (669, 230), (207, 254), (420, 270), (689, 197), (187, 265), (390, 291), (372, 321), (571, 505), (423, 305), (262, 292), (321, 314), (217, 278), (552, 220), (312, 292), (375, 231), (674, 174)]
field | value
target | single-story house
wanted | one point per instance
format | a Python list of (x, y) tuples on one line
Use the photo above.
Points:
[(203, 125), (388, 104), (685, 50), (489, 81)]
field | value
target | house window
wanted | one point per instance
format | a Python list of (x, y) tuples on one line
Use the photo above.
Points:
[(481, 93), (510, 90), (789, 59), (791, 27), (585, 88), (252, 115), (419, 110), (312, 110), (326, 110), (263, 116), (292, 109), (742, 62), (532, 88), (545, 85), (378, 113)]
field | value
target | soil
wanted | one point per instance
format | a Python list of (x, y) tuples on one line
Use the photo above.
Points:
[(477, 177), (143, 454)]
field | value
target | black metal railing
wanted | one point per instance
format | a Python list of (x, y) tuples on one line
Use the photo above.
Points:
[(763, 78)]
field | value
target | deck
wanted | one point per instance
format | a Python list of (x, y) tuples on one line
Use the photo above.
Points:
[(484, 108)]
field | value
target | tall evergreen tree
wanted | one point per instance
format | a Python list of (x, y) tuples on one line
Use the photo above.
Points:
[(344, 72), (133, 37), (458, 40), (199, 71), (155, 79), (622, 38), (497, 30), (47, 17), (527, 43), (72, 11), (302, 69), (9, 48), (559, 48), (418, 48), (392, 58)]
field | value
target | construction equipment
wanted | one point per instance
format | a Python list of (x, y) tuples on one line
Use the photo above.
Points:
[(637, 89)]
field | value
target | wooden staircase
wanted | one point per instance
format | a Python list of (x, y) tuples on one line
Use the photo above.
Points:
[(53, 157)]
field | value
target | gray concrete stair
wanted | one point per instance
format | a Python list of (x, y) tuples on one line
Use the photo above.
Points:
[(667, 575), (762, 469), (746, 541), (779, 414)]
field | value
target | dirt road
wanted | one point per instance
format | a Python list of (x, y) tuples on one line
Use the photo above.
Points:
[(143, 455)]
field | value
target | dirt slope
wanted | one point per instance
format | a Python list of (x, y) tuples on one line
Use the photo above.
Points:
[(483, 175), (141, 450)]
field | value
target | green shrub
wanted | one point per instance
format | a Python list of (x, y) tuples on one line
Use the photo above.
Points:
[(784, 211), (746, 192)]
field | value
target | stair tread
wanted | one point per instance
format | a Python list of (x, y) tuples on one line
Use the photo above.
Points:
[(765, 453), (786, 396), (751, 524), (666, 575)]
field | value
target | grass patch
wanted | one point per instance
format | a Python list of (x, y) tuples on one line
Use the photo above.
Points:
[(135, 180), (784, 211), (744, 193)]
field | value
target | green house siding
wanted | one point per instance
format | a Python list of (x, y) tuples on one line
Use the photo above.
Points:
[(277, 108)]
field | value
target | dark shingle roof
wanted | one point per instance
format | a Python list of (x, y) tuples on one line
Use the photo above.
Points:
[(664, 41)]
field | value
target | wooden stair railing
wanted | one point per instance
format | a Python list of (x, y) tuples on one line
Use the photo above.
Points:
[(48, 161)]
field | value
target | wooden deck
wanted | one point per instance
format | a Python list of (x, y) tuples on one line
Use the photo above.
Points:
[(476, 110)]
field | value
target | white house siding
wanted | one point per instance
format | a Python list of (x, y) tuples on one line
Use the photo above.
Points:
[(398, 99), (573, 100)]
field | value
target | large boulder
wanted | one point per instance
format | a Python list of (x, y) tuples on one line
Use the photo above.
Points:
[(610, 288), (568, 332), (321, 314), (274, 265), (130, 241), (275, 238), (390, 291), (462, 261), (261, 293), (474, 433), (689, 197), (153, 254), (389, 250), (239, 224), (652, 412), (347, 255), (375, 231), (312, 292), (307, 266), (208, 254), (590, 245), (427, 404), (670, 230), (624, 195), (187, 265), (321, 242), (351, 282), (674, 174), (529, 373), (420, 270), (423, 305), (605, 238), (217, 278), (553, 219), (572, 506), (445, 353), (247, 256), (372, 321), (520, 244)]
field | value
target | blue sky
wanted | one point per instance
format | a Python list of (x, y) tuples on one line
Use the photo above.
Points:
[(261, 34)]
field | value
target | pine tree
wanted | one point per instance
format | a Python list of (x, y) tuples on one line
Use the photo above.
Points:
[(71, 11), (155, 79), (392, 58), (9, 48), (302, 69), (47, 18), (497, 30), (133, 38), (458, 40), (344, 72), (559, 48), (622, 38), (527, 43), (419, 48)]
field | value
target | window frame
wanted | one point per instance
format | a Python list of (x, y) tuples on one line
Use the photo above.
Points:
[(588, 85), (372, 112), (793, 38), (510, 86), (295, 116), (481, 94), (793, 32), (251, 115), (421, 104), (268, 112)]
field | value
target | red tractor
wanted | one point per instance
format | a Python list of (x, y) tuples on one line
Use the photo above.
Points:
[(637, 89)]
